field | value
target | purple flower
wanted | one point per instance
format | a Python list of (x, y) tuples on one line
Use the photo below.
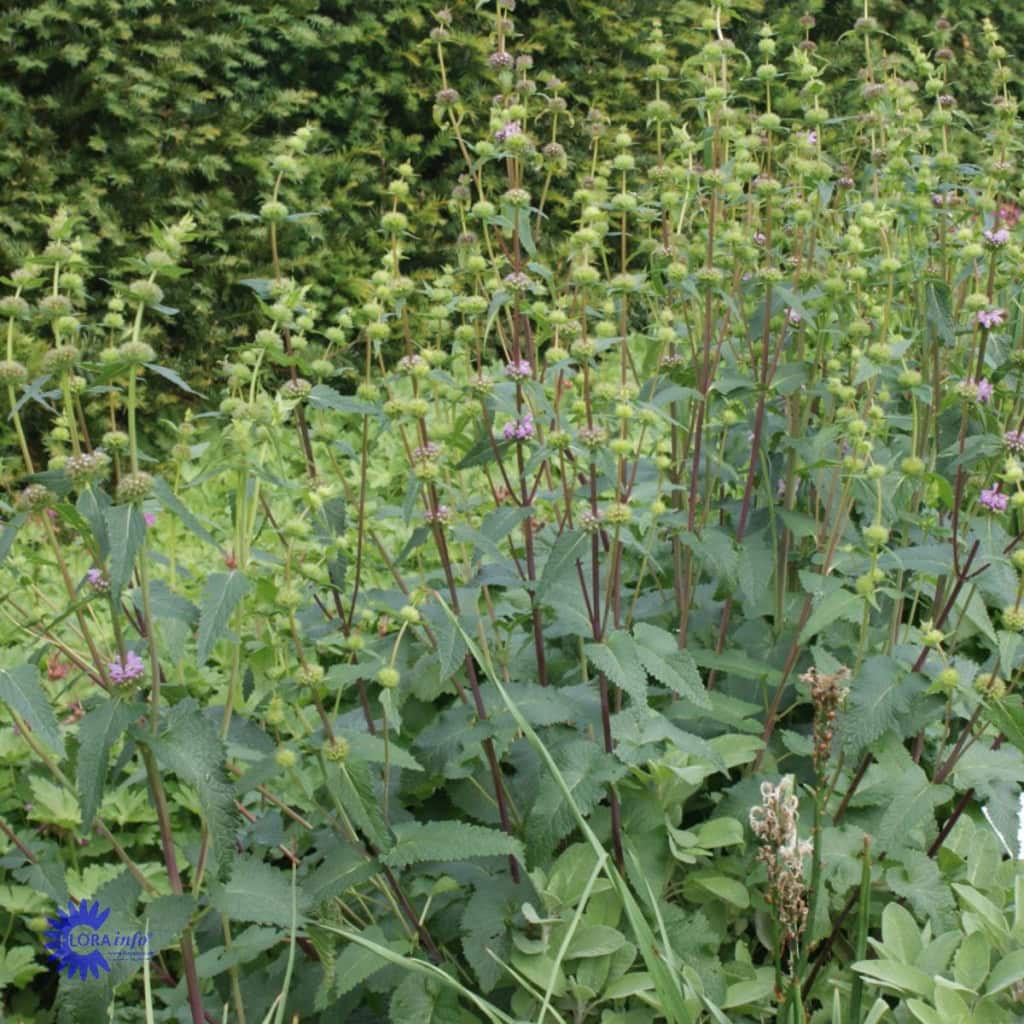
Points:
[(150, 518), (993, 500), (131, 668), (989, 318), (793, 317), (812, 138), (426, 452), (1014, 440), (760, 238), (442, 515), (984, 390), (998, 237), (520, 370), (500, 59), (94, 576), (506, 132), (518, 430)]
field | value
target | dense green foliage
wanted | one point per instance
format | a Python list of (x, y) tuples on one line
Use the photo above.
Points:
[(581, 580)]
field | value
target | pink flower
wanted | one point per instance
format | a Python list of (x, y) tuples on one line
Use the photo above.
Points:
[(518, 370), (793, 317), (812, 138), (506, 132), (984, 390), (518, 430), (760, 238), (131, 668), (998, 237), (1014, 440), (993, 500), (989, 318), (150, 518), (980, 390)]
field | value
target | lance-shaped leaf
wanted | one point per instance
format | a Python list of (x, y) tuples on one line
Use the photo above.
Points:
[(20, 690), (222, 591), (190, 747), (97, 733), (258, 892), (619, 660), (126, 530), (446, 841)]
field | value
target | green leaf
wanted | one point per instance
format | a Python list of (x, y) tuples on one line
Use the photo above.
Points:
[(257, 892), (842, 604), (191, 747), (728, 889), (561, 560), (1007, 972), (92, 505), (901, 977), (126, 531), (357, 963), (352, 785), (661, 656), (170, 501), (324, 397), (880, 696), (938, 310), (221, 593), (593, 940), (451, 651), (97, 733), (10, 532), (167, 373), (911, 802), (20, 690), (447, 841), (618, 658)]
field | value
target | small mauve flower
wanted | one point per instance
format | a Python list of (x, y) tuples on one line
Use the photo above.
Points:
[(1009, 214), (518, 430), (812, 138), (989, 318), (793, 317), (506, 132), (760, 238), (124, 671), (998, 237), (993, 500), (1014, 440), (500, 59), (426, 452), (520, 370), (442, 515), (150, 518), (984, 390), (943, 198)]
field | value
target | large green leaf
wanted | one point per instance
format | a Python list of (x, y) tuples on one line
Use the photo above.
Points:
[(191, 747), (259, 893), (447, 841), (20, 690), (97, 733), (126, 531), (619, 659), (221, 593)]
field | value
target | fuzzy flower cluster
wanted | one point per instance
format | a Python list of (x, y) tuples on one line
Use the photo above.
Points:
[(130, 668), (980, 390), (1014, 440), (519, 430), (97, 580), (442, 515), (993, 500), (506, 132), (997, 237), (774, 822), (519, 370), (989, 318), (426, 452)]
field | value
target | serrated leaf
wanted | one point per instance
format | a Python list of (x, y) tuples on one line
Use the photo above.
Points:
[(163, 493), (619, 659), (126, 531), (451, 651), (20, 690), (97, 733), (166, 372), (560, 561), (661, 656), (913, 800), (880, 695), (191, 747), (221, 593), (447, 841), (92, 504), (357, 963), (352, 786), (259, 893)]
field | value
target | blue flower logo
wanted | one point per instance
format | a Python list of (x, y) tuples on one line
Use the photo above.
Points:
[(74, 950)]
